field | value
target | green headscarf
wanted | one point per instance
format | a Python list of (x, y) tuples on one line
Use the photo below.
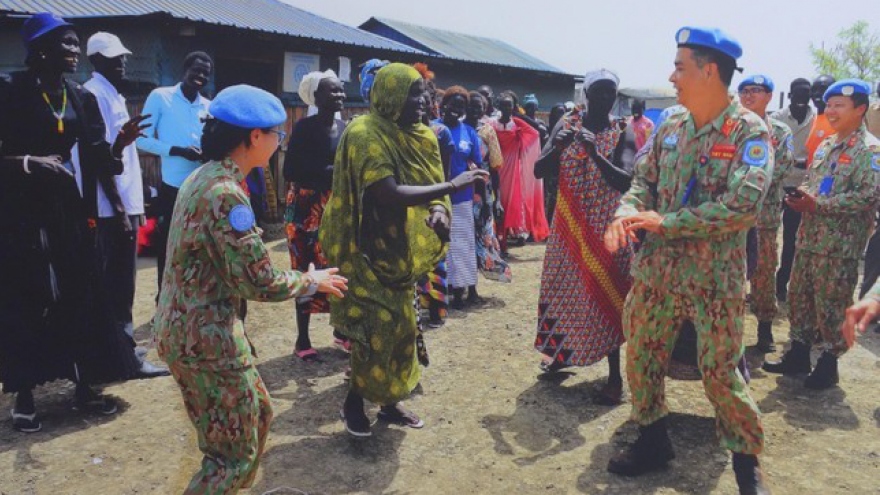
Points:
[(391, 245)]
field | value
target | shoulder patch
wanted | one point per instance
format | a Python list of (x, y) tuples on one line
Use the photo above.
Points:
[(755, 153), (241, 218), (671, 141), (789, 143), (875, 162)]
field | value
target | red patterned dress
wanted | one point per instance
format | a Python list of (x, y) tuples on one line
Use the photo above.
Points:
[(583, 286)]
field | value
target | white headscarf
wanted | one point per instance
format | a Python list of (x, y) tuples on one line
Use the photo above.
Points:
[(310, 83), (592, 77)]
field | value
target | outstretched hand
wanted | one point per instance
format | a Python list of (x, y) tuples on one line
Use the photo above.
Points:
[(328, 281), (130, 131), (617, 236), (858, 317)]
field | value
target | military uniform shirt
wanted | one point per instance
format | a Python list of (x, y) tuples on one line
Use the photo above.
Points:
[(783, 152), (708, 184), (215, 258), (845, 206)]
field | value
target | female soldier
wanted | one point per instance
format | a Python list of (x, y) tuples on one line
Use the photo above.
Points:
[(216, 260)]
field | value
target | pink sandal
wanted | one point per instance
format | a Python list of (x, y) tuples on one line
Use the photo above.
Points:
[(309, 355)]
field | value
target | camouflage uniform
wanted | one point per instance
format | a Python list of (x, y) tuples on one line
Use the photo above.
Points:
[(831, 240), (708, 184), (216, 259), (763, 282)]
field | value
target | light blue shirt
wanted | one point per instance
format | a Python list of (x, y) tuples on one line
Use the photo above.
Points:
[(176, 122)]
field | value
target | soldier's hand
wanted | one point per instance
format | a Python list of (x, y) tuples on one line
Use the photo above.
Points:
[(650, 221), (802, 203), (328, 281), (617, 237), (858, 317)]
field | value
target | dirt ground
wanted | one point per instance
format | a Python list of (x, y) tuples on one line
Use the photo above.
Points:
[(493, 424)]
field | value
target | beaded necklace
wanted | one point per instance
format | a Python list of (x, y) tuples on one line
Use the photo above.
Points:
[(58, 115)]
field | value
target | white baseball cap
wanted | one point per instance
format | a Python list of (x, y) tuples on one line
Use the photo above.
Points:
[(106, 44)]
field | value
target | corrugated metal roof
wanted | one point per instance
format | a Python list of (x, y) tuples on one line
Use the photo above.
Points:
[(464, 46), (271, 16)]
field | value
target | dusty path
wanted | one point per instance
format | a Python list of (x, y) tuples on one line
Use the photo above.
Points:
[(492, 425)]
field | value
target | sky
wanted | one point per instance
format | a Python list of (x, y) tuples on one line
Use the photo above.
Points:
[(635, 39)]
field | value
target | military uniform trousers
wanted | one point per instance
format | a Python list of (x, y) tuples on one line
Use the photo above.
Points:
[(231, 412), (821, 289), (651, 320), (763, 282)]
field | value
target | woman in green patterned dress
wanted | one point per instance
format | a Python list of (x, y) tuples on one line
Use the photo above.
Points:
[(385, 226)]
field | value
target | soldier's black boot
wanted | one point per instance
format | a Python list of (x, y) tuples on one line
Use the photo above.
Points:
[(825, 375), (765, 337), (796, 360), (650, 452), (749, 477)]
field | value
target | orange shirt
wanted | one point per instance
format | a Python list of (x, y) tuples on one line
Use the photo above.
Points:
[(821, 129)]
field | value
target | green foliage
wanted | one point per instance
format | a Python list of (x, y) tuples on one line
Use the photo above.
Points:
[(856, 54)]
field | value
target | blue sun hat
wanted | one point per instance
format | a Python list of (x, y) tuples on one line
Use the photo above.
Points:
[(39, 24)]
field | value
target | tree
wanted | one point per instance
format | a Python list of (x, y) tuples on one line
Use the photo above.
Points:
[(856, 54)]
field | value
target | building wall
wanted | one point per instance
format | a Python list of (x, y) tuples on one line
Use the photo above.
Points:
[(160, 44)]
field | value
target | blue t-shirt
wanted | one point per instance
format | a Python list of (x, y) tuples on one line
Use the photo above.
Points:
[(467, 149)]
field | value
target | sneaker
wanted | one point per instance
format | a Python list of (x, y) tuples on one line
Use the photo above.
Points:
[(25, 423), (406, 418)]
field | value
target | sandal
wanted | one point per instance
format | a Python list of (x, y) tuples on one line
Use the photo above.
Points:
[(404, 418), (551, 367), (360, 433), (309, 355), (343, 344), (25, 423)]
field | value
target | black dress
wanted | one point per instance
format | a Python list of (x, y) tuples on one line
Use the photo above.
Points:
[(53, 324)]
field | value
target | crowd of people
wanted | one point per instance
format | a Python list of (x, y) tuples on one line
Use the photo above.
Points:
[(656, 235)]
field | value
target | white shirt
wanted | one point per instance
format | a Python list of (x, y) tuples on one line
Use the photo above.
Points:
[(115, 114)]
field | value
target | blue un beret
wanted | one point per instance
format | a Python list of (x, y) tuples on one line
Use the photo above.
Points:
[(248, 107), (847, 87), (715, 39), (39, 24), (757, 80)]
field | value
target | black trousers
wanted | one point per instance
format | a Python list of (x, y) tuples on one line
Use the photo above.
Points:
[(117, 252), (791, 220), (165, 202)]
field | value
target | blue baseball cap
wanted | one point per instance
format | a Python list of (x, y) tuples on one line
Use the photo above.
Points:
[(847, 87), (247, 107), (39, 24), (757, 80), (713, 38)]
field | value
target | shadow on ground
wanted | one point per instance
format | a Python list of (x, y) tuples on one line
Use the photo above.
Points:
[(563, 410), (323, 460), (698, 465), (811, 410)]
